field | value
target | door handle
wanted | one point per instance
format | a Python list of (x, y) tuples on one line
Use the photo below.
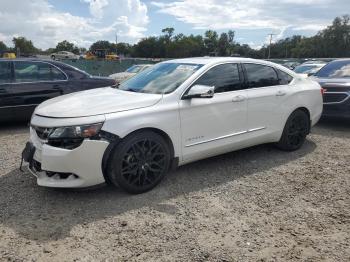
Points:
[(281, 93), (238, 98)]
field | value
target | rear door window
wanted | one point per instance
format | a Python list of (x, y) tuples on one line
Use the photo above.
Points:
[(5, 72), (26, 71), (261, 76)]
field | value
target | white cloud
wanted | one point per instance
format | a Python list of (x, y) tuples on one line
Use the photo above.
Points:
[(217, 14), (254, 14), (39, 21)]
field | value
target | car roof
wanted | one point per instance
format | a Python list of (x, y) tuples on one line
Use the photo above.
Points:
[(31, 59), (53, 62), (312, 64), (143, 65), (341, 60), (207, 60)]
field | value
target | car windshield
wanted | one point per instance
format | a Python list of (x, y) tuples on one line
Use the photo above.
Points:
[(304, 69), (134, 69), (160, 79), (336, 69)]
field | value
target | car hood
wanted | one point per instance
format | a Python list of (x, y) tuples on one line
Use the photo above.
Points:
[(95, 102)]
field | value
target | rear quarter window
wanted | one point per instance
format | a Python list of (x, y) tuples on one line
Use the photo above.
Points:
[(284, 78)]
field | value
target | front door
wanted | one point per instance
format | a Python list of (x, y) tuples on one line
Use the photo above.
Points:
[(214, 125)]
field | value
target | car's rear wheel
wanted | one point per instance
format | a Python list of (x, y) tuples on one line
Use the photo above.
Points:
[(139, 162), (295, 131)]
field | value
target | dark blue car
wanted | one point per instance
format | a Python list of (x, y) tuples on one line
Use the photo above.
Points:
[(335, 79), (25, 83)]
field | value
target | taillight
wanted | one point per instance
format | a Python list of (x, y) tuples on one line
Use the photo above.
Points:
[(323, 90)]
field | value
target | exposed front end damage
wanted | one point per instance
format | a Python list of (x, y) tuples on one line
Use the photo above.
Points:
[(58, 167)]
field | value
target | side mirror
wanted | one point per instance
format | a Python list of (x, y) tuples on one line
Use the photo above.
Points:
[(311, 74), (200, 91)]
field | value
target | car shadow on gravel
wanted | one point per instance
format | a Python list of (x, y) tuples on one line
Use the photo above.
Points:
[(334, 127), (44, 214)]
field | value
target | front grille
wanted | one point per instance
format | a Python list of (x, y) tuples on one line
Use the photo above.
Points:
[(334, 97)]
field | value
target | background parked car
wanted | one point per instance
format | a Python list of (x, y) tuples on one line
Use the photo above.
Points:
[(25, 83), (335, 79), (291, 65), (64, 55), (308, 68), (131, 71)]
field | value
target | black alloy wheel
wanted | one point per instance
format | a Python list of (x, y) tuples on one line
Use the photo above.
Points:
[(139, 162), (295, 131)]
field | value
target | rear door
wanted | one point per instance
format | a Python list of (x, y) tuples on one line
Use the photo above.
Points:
[(34, 82), (267, 90)]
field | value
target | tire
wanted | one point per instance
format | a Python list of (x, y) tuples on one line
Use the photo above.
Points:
[(139, 162), (53, 57), (295, 131)]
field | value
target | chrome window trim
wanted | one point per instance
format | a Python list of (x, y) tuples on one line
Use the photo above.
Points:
[(48, 81), (1, 107), (339, 102), (226, 136)]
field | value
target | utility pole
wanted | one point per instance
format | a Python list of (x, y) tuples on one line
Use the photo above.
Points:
[(271, 35), (116, 43)]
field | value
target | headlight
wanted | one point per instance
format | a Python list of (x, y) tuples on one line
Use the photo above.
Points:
[(73, 132)]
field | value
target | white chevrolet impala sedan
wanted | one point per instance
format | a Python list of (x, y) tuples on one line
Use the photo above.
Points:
[(173, 113)]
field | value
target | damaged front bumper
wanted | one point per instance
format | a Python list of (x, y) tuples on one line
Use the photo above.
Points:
[(65, 168)]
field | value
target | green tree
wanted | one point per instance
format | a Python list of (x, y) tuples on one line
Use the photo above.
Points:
[(211, 42), (124, 49), (169, 32), (67, 46), (223, 45), (102, 44), (23, 45), (3, 47), (152, 47)]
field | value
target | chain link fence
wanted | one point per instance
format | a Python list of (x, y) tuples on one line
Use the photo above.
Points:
[(105, 67)]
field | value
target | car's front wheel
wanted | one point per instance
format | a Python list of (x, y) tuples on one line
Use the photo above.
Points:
[(295, 131), (139, 162)]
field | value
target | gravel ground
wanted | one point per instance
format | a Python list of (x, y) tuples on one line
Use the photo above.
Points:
[(258, 204)]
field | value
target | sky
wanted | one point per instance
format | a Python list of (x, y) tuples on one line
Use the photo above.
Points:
[(83, 22)]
